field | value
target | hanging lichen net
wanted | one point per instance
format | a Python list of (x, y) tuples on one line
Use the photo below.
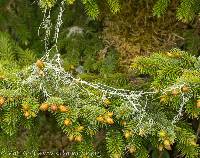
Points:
[(49, 77), (70, 98)]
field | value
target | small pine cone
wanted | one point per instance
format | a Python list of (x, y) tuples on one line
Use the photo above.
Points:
[(198, 103), (63, 108), (54, 108), (67, 122), (2, 101), (44, 107), (40, 64)]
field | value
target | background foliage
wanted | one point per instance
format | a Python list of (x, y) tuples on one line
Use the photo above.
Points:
[(102, 50)]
